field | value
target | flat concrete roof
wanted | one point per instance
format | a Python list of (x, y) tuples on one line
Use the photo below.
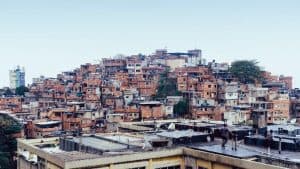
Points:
[(196, 124), (151, 103), (241, 153), (179, 133), (75, 156), (288, 127), (71, 160), (122, 138), (100, 144)]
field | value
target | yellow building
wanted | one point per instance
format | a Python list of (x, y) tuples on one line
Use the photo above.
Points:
[(44, 154)]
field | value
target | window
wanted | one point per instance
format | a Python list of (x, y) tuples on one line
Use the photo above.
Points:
[(201, 167), (171, 167)]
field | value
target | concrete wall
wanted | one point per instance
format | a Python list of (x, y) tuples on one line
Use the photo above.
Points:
[(149, 159)]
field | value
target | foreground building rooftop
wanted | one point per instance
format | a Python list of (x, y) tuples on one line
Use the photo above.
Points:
[(128, 151)]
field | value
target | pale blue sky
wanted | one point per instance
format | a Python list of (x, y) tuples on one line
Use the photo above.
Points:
[(50, 36)]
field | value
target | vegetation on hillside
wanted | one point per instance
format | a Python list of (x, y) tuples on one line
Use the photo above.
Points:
[(8, 145), (181, 108), (166, 87), (20, 91), (247, 71)]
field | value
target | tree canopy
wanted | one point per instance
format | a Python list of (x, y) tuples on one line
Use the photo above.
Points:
[(181, 108), (247, 71), (21, 90), (167, 86), (8, 146)]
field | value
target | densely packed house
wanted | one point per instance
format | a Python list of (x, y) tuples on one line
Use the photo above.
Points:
[(125, 88)]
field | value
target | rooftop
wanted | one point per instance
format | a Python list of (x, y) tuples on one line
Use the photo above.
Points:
[(74, 159), (180, 134), (151, 103), (48, 122), (99, 143), (241, 153)]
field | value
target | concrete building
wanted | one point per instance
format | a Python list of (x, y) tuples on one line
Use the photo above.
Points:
[(232, 94), (174, 62), (194, 57), (125, 152), (17, 77), (238, 114), (42, 128)]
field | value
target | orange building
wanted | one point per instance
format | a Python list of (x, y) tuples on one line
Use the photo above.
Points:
[(151, 110), (280, 112), (11, 104), (288, 80), (129, 114)]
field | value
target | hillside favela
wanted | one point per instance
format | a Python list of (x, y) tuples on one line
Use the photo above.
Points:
[(139, 84), (167, 110)]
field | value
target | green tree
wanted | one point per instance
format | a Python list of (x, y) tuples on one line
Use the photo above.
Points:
[(4, 161), (21, 90), (167, 86), (181, 108), (247, 71), (8, 147), (8, 143)]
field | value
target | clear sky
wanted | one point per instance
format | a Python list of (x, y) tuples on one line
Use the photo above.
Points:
[(50, 36)]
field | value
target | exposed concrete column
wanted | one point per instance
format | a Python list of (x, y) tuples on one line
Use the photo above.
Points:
[(111, 166), (182, 163), (210, 165), (150, 164)]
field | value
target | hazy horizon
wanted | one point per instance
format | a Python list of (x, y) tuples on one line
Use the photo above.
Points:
[(53, 36)]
